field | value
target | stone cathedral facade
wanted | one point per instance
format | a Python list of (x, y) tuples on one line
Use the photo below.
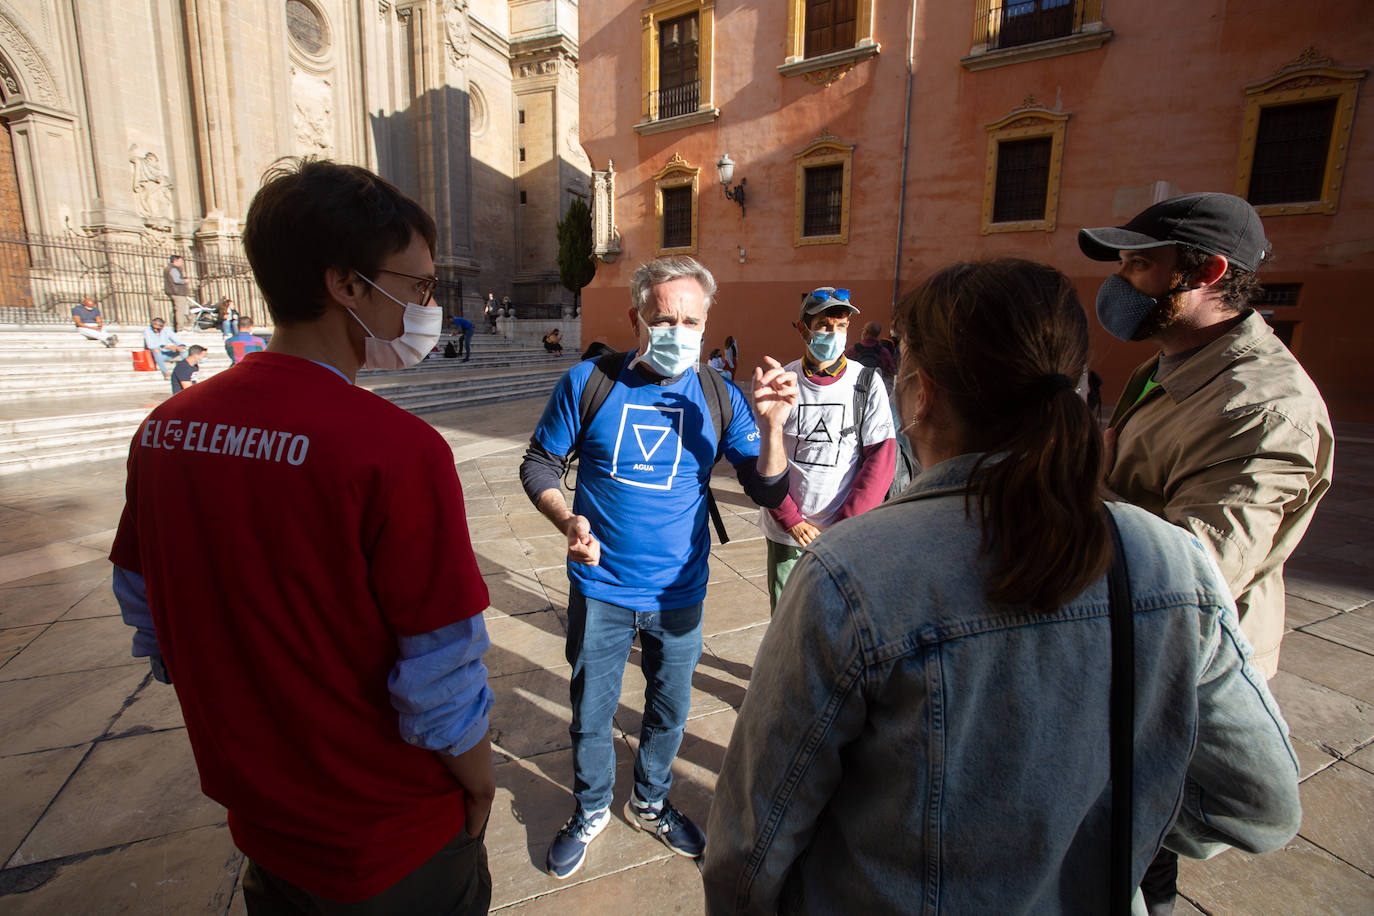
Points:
[(154, 120)]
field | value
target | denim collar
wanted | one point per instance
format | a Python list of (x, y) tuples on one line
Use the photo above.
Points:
[(947, 477)]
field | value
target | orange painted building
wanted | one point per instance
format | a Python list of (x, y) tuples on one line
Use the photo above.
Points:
[(1026, 121)]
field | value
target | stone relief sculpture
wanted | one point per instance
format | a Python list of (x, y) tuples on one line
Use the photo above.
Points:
[(312, 117), (605, 235), (457, 34), (152, 189)]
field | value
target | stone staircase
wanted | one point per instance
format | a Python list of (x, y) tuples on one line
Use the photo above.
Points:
[(65, 400)]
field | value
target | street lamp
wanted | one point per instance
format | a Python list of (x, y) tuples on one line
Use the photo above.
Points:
[(725, 168)]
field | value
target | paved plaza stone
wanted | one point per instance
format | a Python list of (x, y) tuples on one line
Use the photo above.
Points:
[(101, 810)]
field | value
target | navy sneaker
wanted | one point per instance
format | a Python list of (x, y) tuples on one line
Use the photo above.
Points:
[(569, 848), (670, 825)]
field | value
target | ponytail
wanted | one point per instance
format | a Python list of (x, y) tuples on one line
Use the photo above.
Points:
[(1004, 340)]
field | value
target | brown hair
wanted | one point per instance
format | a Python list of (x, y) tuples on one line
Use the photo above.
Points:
[(1006, 341), (311, 215)]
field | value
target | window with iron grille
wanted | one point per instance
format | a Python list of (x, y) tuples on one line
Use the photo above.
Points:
[(677, 217), (1291, 149), (1025, 21), (1275, 295), (824, 200), (679, 81), (830, 26), (1023, 176)]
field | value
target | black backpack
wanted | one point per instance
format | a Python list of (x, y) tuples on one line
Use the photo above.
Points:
[(606, 370), (905, 469)]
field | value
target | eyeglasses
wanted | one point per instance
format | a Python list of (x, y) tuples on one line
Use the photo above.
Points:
[(424, 286)]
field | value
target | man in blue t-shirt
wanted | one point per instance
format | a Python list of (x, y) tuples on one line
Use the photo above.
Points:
[(462, 326), (89, 323), (638, 540)]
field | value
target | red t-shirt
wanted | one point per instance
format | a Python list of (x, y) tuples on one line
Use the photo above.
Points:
[(332, 522)]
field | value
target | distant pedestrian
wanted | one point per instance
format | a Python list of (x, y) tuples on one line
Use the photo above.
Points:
[(553, 342), (489, 312), (228, 317), (717, 362), (731, 356), (89, 324), (187, 372), (163, 343), (464, 327), (177, 289), (244, 342), (873, 350)]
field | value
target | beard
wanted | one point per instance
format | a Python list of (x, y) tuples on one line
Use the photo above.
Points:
[(1170, 309)]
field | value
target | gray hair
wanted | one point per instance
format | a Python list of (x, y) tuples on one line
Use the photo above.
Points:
[(665, 270)]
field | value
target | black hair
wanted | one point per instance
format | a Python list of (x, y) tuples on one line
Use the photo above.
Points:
[(313, 215)]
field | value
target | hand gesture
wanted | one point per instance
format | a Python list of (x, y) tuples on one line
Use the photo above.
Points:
[(582, 547), (804, 532), (775, 392)]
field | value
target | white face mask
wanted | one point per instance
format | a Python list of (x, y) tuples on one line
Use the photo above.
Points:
[(671, 351), (420, 332)]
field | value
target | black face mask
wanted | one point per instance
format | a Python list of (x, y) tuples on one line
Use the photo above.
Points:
[(1122, 308)]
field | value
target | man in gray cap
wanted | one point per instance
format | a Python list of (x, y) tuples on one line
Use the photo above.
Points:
[(1222, 433), (840, 438)]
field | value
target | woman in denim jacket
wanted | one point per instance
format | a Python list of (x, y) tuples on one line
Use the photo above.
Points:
[(926, 729)]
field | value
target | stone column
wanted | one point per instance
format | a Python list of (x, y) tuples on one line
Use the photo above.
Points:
[(219, 231)]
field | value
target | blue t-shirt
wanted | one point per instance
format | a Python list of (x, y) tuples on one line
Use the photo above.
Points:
[(641, 482), (461, 324)]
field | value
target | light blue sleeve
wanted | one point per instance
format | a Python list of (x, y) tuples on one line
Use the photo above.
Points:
[(1242, 784), (439, 686), (149, 339), (132, 594)]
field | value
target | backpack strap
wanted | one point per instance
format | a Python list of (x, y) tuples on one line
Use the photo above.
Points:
[(717, 398), (605, 371), (861, 389)]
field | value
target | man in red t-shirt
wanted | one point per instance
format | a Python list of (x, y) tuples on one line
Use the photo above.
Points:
[(336, 700)]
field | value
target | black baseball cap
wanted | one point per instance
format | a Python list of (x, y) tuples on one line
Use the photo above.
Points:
[(1215, 223)]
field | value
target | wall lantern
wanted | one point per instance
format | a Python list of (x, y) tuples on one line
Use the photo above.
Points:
[(726, 169)]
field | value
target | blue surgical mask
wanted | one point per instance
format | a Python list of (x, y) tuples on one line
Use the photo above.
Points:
[(1122, 308), (826, 345), (671, 350)]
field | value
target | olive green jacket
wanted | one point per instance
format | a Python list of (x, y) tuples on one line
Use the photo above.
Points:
[(1236, 446)]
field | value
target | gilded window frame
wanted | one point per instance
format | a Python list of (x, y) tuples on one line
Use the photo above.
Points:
[(676, 174), (1024, 124), (824, 150), (650, 18), (1309, 78)]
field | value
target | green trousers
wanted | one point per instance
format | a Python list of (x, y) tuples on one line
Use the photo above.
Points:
[(781, 559)]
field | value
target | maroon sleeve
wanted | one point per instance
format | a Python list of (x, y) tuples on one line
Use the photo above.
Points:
[(873, 480), (788, 514), (422, 568)]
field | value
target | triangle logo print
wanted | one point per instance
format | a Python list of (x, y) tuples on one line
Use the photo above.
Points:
[(643, 433)]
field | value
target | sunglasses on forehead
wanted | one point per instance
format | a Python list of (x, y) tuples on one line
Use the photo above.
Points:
[(825, 293)]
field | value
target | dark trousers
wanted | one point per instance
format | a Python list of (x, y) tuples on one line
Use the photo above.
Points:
[(453, 882), (1159, 886)]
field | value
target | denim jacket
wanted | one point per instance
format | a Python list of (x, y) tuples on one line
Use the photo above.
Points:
[(906, 746)]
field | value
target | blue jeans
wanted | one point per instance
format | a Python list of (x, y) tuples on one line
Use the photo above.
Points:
[(163, 357), (599, 638)]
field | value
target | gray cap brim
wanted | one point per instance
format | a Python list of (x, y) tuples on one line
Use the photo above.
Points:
[(1107, 244)]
